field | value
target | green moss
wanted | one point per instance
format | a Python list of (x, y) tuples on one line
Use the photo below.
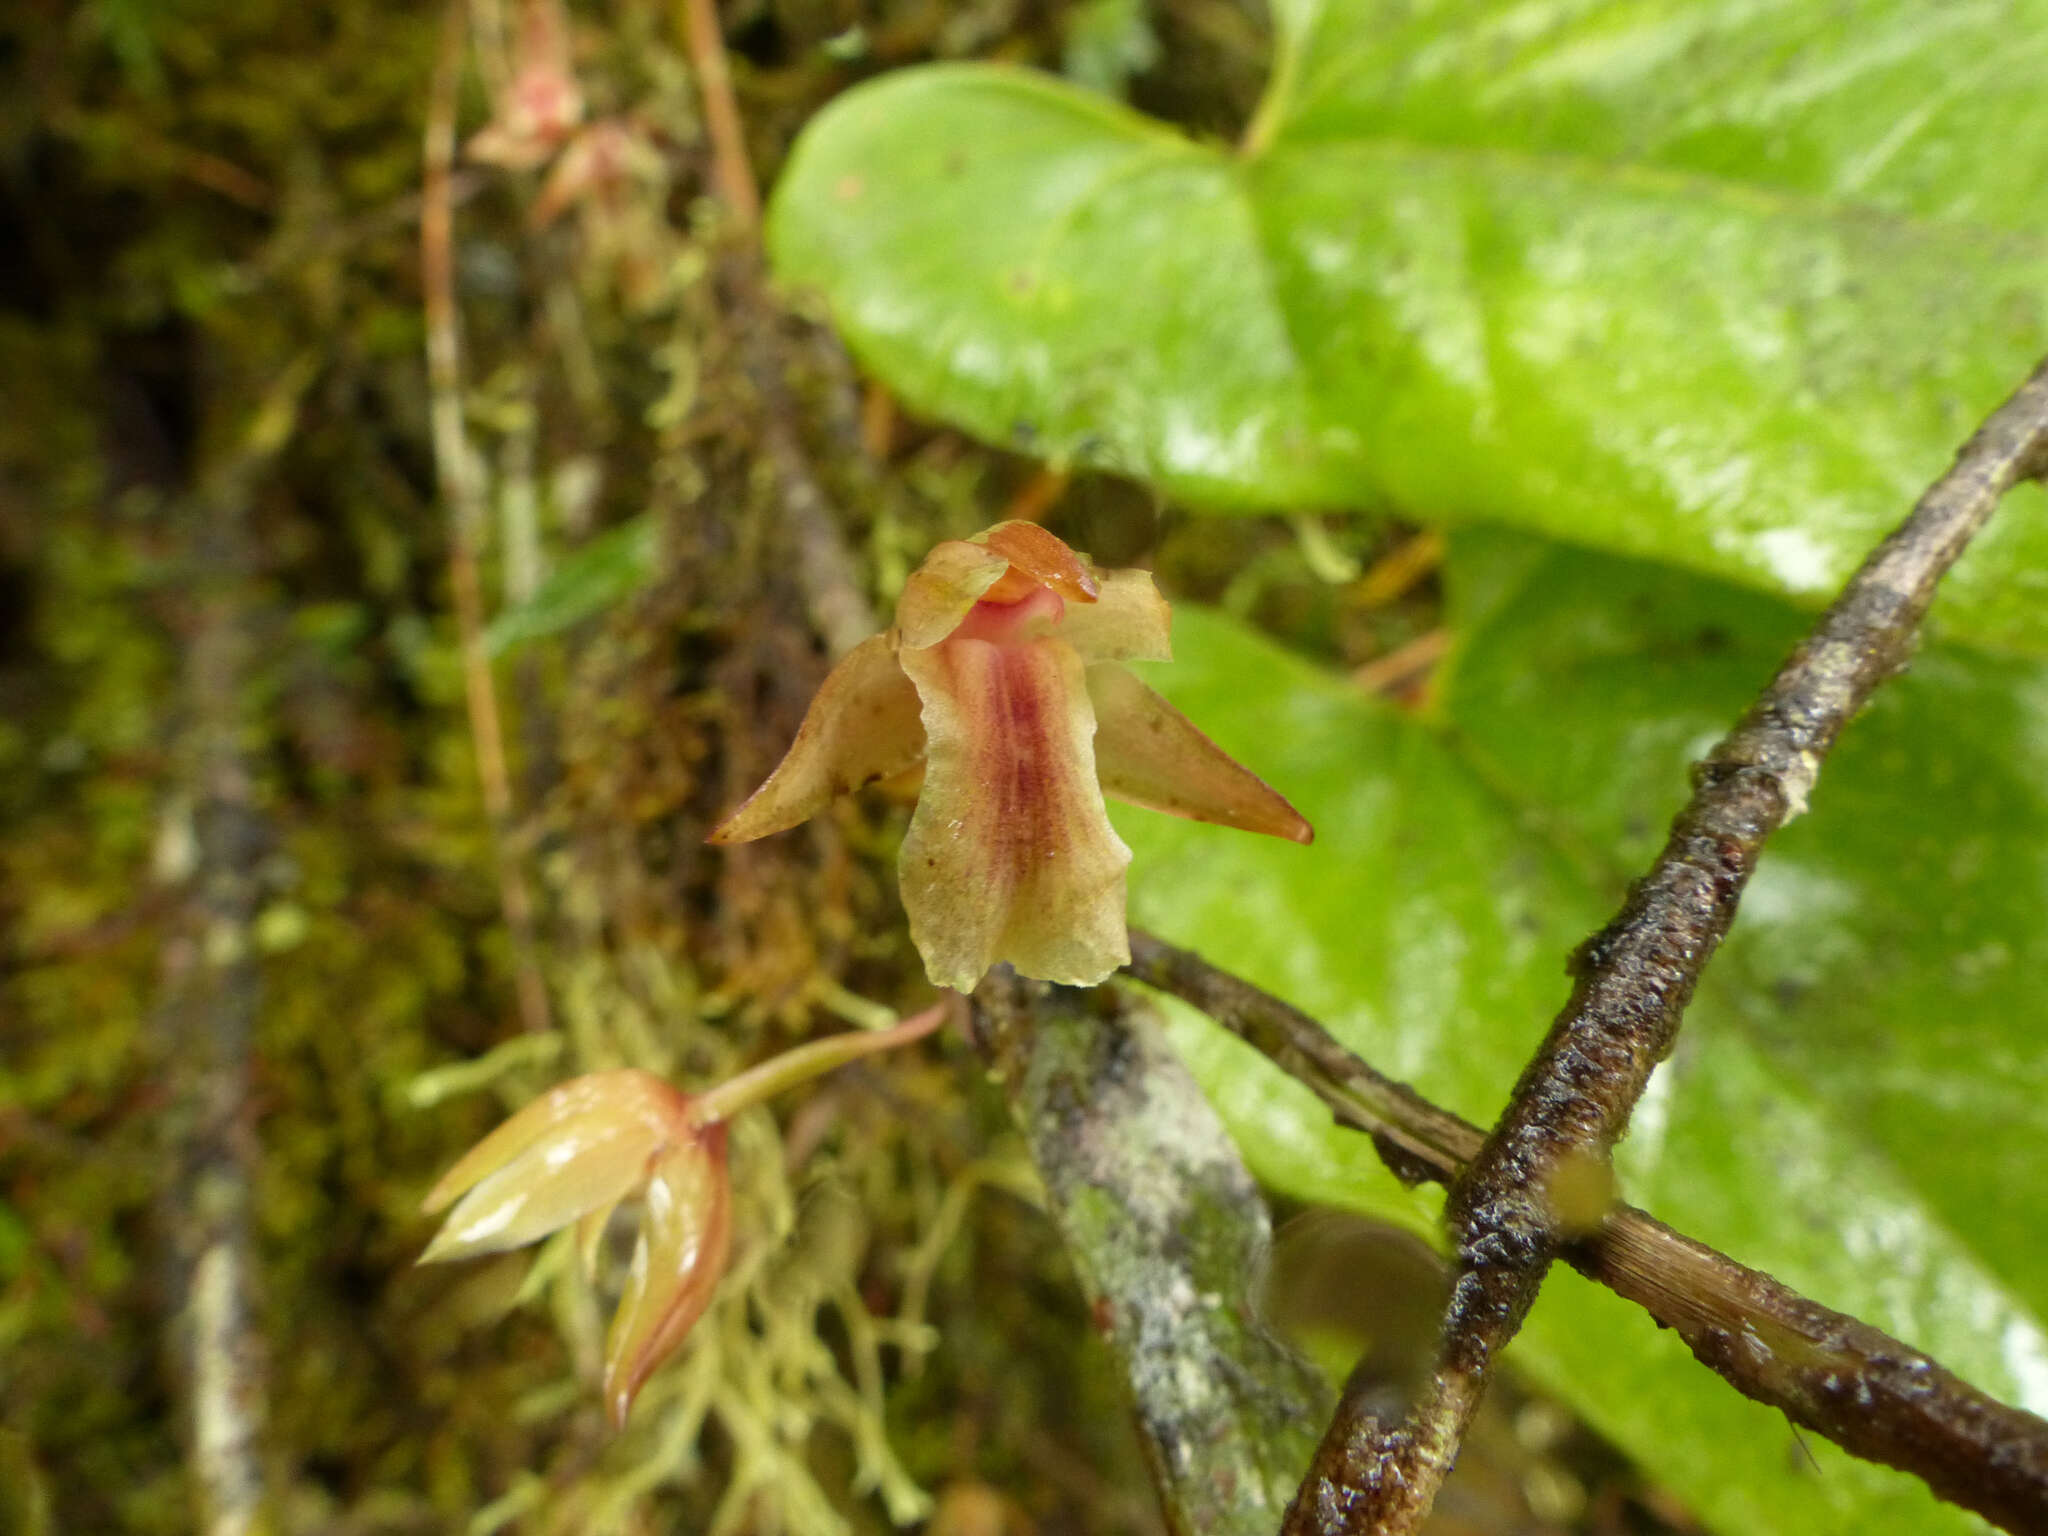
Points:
[(218, 207)]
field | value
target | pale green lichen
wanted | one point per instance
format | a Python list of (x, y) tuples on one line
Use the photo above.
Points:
[(1167, 1231)]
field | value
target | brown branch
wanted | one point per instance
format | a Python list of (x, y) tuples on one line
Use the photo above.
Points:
[(207, 1023), (834, 595), (1872, 1395), (455, 465), (732, 175), (1406, 668), (1635, 977)]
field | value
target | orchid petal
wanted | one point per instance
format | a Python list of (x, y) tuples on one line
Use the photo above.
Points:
[(1148, 753), (940, 592), (1036, 613), (1010, 855), (1129, 621), (685, 1236), (581, 1165), (1040, 559), (862, 726), (626, 1096)]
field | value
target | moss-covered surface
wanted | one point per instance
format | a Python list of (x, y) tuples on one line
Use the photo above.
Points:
[(217, 414), (208, 229), (1168, 1233)]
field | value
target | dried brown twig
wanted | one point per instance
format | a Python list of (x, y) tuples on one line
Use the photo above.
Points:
[(455, 464), (1867, 1392), (825, 571), (1635, 977), (731, 174)]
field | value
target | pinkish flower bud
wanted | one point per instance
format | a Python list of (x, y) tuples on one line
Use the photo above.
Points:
[(542, 103), (575, 1152), (571, 1156)]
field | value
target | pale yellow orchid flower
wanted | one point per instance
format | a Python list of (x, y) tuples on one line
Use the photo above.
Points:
[(1003, 675)]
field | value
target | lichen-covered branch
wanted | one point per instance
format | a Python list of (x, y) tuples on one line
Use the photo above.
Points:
[(206, 1029), (834, 595), (1166, 1229), (1872, 1395), (455, 465)]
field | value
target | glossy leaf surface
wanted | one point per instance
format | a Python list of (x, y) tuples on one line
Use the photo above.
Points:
[(1709, 282), (1856, 1102)]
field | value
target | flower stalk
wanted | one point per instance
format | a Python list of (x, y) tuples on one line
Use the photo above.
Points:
[(815, 1058)]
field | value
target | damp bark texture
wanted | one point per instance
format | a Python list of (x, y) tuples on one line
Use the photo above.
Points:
[(1635, 977), (834, 595), (1854, 1384), (218, 844), (1166, 1230)]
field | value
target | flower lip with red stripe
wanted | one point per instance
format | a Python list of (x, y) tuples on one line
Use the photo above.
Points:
[(1003, 674)]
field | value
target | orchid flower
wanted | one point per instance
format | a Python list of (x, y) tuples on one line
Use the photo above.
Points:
[(576, 1152), (541, 104), (1003, 675)]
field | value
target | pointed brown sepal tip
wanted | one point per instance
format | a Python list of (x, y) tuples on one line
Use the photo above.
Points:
[(863, 725), (1269, 815), (1150, 754), (747, 823)]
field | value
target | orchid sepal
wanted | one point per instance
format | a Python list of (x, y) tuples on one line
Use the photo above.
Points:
[(678, 1259), (1148, 753), (862, 725)]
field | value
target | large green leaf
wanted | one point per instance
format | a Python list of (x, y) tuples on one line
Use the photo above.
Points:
[(1712, 282), (1857, 1101)]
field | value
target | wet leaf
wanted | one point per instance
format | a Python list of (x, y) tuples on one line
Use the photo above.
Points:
[(1856, 1102), (1705, 282), (607, 570)]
